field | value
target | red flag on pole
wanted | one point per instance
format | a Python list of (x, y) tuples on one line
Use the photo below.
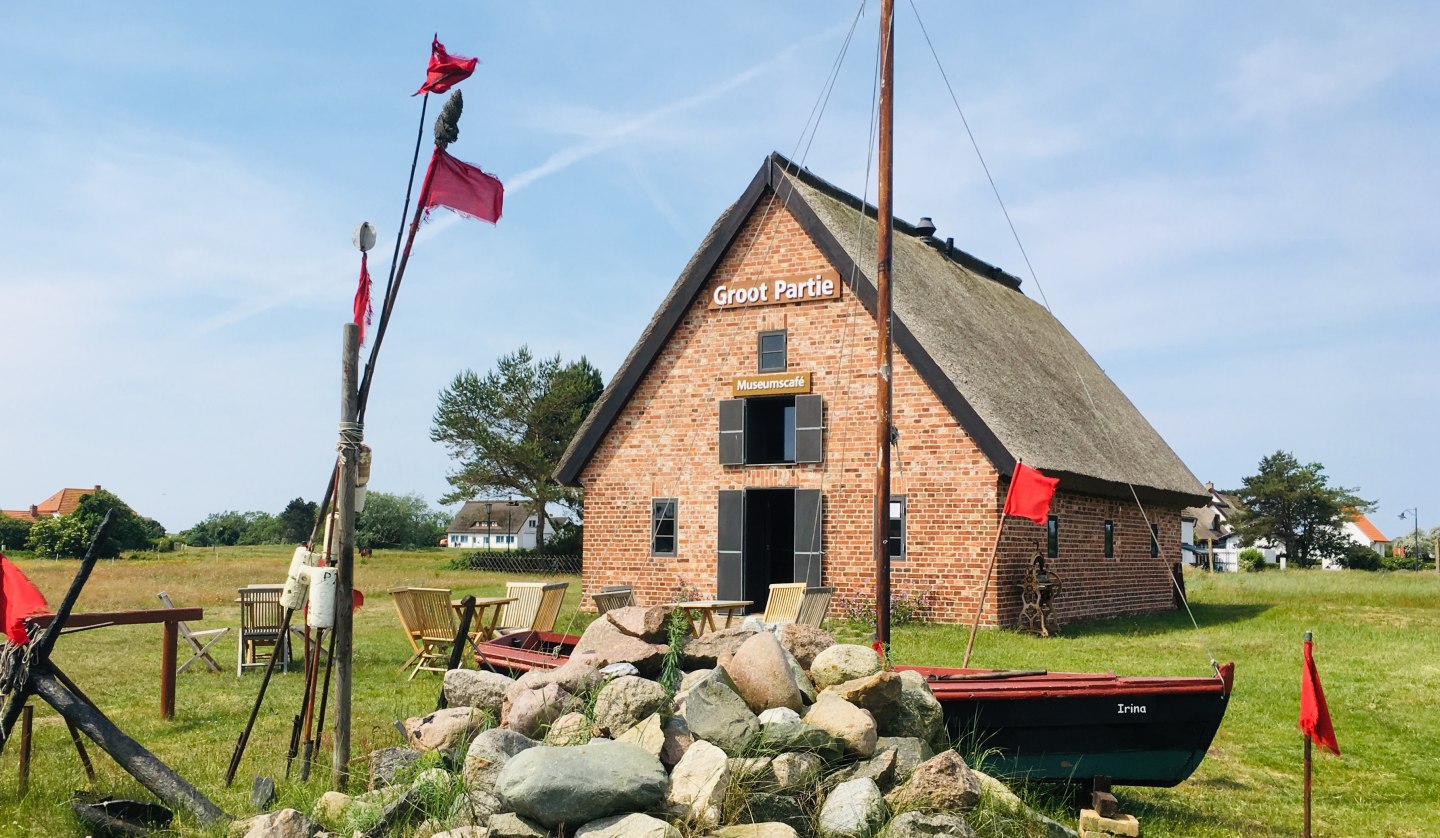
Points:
[(19, 598), (463, 188), (1314, 715), (363, 310), (445, 70), (1030, 494)]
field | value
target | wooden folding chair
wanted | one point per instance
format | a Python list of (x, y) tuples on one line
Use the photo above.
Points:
[(435, 627), (614, 596), (201, 652), (260, 617), (783, 604), (405, 608), (814, 606), (536, 606)]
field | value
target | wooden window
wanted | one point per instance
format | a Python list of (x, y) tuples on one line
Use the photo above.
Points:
[(662, 526), (1052, 537), (772, 351), (1109, 539), (896, 534), (1154, 541)]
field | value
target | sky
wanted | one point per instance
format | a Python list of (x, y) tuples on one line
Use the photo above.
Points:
[(1232, 205)]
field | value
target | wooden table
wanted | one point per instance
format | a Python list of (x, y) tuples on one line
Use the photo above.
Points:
[(480, 631), (702, 613), (169, 618)]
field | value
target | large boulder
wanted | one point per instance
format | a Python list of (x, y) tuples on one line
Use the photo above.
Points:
[(444, 728), (854, 809), (576, 676), (387, 762), (716, 713), (698, 785), (916, 712), (648, 734), (488, 754), (875, 692), (935, 825), (650, 623), (942, 782), (998, 796), (714, 648), (623, 702), (634, 825), (533, 710), (286, 823), (476, 688), (843, 662), (804, 642), (577, 785), (762, 675), (607, 644), (845, 721), (798, 737)]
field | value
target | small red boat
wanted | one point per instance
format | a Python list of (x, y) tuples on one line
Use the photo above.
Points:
[(1032, 724)]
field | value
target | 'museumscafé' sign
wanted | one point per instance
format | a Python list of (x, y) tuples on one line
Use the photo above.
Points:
[(818, 285), (771, 384)]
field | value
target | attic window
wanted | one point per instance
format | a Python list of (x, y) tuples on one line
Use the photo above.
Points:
[(772, 351)]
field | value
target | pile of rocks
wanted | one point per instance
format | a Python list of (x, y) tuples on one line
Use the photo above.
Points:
[(774, 732)]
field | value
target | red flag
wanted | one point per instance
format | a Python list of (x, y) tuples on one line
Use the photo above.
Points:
[(363, 310), (445, 70), (1030, 494), (1314, 715), (464, 188), (19, 598)]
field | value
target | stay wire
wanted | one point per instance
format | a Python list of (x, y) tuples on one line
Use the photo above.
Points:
[(1034, 277)]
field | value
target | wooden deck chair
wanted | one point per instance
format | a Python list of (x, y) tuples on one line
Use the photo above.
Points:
[(434, 627), (260, 617), (783, 604), (536, 606), (814, 605), (201, 652), (614, 596), (404, 607)]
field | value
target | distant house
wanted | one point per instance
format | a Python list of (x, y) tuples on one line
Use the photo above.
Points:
[(495, 525), (1212, 535), (1359, 530), (57, 505)]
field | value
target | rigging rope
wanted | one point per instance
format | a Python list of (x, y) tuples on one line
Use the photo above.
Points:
[(1034, 277)]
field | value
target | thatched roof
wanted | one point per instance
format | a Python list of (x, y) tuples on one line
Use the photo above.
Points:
[(1010, 373), (502, 517)]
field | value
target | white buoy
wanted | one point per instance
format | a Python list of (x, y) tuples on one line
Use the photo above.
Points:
[(321, 614), (296, 581)]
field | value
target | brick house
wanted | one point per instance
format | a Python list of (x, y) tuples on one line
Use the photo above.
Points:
[(734, 448), (58, 505)]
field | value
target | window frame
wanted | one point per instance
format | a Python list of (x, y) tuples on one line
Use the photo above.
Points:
[(760, 365), (656, 516), (1154, 540), (1109, 538), (1052, 537)]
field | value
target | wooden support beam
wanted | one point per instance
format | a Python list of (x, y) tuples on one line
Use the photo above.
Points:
[(345, 549)]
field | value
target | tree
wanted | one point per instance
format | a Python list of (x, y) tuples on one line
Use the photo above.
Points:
[(508, 429), (297, 521), (398, 521), (14, 532), (68, 537), (1294, 504), (219, 529), (1403, 549)]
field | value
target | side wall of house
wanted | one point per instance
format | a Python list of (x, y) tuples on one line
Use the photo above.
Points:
[(664, 445)]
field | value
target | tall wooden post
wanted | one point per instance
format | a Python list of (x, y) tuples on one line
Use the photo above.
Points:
[(884, 221), (1307, 770), (350, 438)]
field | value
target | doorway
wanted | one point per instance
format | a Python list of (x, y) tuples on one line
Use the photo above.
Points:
[(769, 542)]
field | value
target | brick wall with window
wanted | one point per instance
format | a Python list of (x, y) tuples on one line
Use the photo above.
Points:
[(664, 444)]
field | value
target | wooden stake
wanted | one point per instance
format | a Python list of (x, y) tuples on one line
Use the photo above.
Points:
[(345, 544), (984, 587), (27, 719)]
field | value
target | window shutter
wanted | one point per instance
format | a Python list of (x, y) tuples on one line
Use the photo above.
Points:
[(730, 542), (809, 520), (732, 432), (809, 429)]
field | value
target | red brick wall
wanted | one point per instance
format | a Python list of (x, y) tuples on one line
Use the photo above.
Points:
[(663, 444)]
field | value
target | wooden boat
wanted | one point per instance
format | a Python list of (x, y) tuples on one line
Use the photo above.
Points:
[(1042, 726)]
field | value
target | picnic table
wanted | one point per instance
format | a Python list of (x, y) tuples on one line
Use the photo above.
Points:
[(169, 618), (480, 631), (703, 614)]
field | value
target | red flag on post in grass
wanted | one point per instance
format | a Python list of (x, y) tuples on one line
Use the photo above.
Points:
[(445, 70), (464, 188), (19, 598), (1314, 715), (1030, 494), (363, 310)]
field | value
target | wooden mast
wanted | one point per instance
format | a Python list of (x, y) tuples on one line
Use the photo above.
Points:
[(882, 321)]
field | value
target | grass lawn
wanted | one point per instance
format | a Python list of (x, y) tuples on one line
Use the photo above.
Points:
[(1377, 646)]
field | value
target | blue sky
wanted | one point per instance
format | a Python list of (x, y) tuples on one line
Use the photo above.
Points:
[(1232, 205)]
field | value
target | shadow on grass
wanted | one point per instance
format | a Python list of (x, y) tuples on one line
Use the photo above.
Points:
[(1167, 622)]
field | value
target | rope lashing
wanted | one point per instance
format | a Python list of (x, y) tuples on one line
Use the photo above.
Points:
[(352, 435)]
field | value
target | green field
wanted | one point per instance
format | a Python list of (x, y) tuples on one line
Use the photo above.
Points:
[(1377, 645)]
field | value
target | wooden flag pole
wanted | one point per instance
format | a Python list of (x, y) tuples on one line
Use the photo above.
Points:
[(351, 432), (1307, 770), (985, 586)]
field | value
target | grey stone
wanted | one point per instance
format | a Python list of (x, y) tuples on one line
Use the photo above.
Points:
[(802, 678), (768, 807), (942, 782), (581, 784), (648, 734), (532, 711), (804, 642), (909, 753), (715, 712), (464, 832), (921, 825), (476, 688), (796, 771), (801, 738), (330, 807), (845, 721), (511, 825), (843, 662), (871, 692), (286, 823), (387, 762), (998, 796), (778, 714), (489, 753), (444, 728), (880, 768), (619, 670), (576, 676), (474, 808), (608, 644), (678, 740), (854, 809), (650, 623), (763, 676), (751, 769), (693, 677), (756, 830), (570, 729), (915, 713), (713, 648), (698, 785), (262, 793), (634, 825), (623, 702)]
